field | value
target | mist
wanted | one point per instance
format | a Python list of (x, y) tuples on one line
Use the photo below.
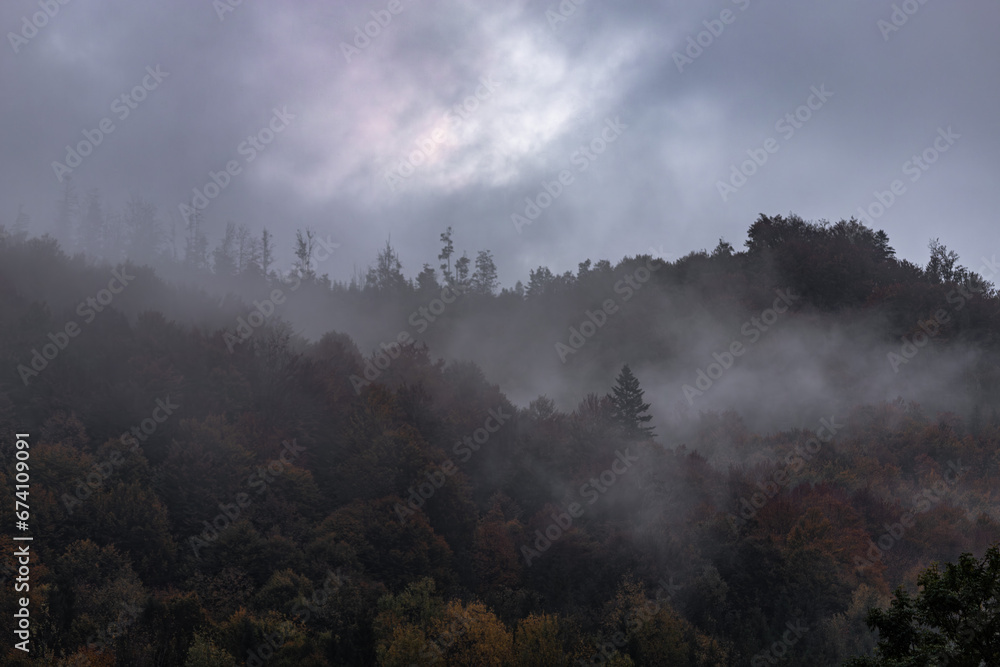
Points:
[(390, 333)]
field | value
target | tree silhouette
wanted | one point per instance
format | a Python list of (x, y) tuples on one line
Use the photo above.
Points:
[(484, 279), (627, 406), (953, 620), (305, 246), (446, 252), (387, 274)]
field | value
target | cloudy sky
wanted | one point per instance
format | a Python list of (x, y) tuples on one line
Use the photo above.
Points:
[(453, 113)]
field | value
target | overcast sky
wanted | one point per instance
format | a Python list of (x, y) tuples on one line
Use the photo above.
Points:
[(548, 84)]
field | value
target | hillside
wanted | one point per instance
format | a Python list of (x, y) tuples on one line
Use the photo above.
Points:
[(232, 464)]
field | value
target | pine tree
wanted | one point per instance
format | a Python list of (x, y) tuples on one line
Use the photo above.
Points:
[(427, 281), (627, 406)]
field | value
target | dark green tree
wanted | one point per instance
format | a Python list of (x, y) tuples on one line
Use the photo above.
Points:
[(427, 280), (305, 246), (627, 408), (539, 282), (266, 251), (462, 270), (484, 279), (387, 274), (446, 252), (953, 620)]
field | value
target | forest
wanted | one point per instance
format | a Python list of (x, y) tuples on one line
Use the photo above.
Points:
[(752, 456)]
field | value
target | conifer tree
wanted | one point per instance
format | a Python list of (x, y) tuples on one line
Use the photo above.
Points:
[(628, 410)]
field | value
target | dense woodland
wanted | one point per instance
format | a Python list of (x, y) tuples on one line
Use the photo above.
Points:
[(206, 492)]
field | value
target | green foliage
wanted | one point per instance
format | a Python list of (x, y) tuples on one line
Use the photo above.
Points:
[(628, 409), (953, 620), (204, 653), (421, 497)]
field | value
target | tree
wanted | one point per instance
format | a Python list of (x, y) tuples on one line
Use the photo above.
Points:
[(247, 250), (196, 244), (484, 279), (204, 653), (266, 251), (537, 642), (92, 227), (627, 406), (446, 252), (539, 282), (462, 270), (224, 255), (941, 268), (387, 274), (953, 620), (305, 246), (22, 221), (67, 210), (724, 249), (427, 280), (144, 233)]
